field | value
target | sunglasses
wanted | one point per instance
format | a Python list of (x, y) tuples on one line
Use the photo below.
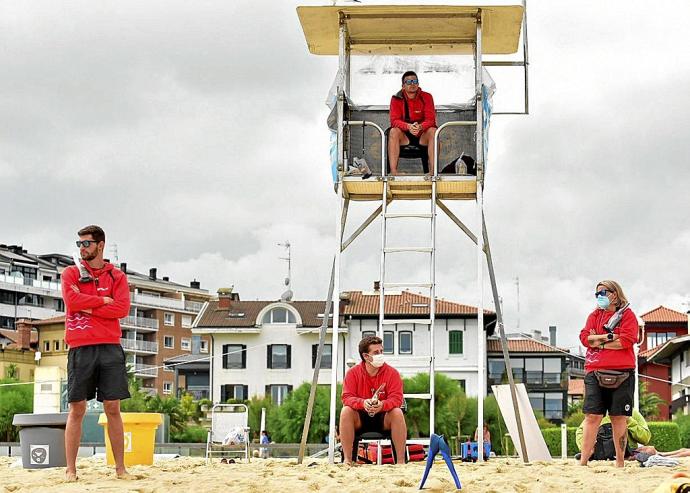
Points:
[(603, 292), (86, 243), (409, 82)]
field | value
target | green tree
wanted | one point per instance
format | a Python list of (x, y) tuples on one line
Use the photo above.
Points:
[(285, 422), (447, 405), (137, 403), (171, 407), (649, 402), (255, 404), (14, 399)]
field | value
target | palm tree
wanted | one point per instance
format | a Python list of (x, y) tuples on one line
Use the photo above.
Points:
[(649, 402)]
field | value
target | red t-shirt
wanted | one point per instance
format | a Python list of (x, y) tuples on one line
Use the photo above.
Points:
[(102, 325), (421, 110), (359, 386), (610, 359)]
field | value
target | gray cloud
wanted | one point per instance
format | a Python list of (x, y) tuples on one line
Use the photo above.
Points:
[(195, 134)]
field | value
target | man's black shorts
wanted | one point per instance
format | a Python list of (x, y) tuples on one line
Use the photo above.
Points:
[(414, 139), (97, 371), (371, 423), (617, 402)]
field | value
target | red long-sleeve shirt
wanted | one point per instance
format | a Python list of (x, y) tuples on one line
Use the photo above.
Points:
[(421, 109), (102, 325), (610, 359), (359, 386)]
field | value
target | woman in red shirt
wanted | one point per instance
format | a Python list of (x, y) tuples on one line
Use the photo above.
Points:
[(609, 367)]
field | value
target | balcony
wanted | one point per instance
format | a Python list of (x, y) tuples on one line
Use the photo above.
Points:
[(169, 303), (135, 346), (145, 371), (12, 283), (142, 324)]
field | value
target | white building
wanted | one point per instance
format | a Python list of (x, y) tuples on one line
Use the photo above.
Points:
[(29, 285), (269, 347)]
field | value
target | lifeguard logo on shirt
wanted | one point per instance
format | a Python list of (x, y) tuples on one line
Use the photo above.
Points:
[(78, 321)]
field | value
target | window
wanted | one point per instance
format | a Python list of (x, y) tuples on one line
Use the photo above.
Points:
[(327, 358), (552, 370), (279, 316), (278, 393), (518, 365), (167, 387), (234, 356), (169, 318), (203, 346), (658, 338), (553, 406), (169, 342), (405, 342), (59, 305), (234, 391), (186, 344), (462, 383), (186, 321), (278, 356), (533, 371), (496, 371), (56, 345), (46, 346), (455, 341), (388, 338), (368, 333)]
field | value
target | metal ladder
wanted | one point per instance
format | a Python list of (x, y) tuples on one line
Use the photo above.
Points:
[(429, 284)]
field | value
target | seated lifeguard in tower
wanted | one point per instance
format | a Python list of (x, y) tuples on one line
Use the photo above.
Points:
[(372, 396), (413, 124)]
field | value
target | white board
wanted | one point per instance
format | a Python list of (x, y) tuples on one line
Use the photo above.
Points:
[(536, 446)]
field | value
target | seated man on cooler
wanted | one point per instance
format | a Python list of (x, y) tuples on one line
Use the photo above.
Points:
[(362, 412), (413, 120)]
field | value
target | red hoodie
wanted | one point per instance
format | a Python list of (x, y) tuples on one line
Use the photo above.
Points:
[(359, 386), (421, 109), (610, 359), (102, 325)]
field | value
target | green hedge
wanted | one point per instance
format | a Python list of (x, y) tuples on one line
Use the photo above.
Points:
[(665, 435), (683, 422), (552, 437)]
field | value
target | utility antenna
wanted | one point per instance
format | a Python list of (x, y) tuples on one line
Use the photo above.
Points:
[(113, 251), (517, 285), (287, 295)]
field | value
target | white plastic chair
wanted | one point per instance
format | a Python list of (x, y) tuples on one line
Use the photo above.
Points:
[(225, 417)]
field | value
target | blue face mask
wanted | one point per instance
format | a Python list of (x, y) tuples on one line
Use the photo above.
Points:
[(603, 302)]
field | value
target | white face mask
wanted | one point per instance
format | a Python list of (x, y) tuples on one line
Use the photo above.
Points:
[(377, 360)]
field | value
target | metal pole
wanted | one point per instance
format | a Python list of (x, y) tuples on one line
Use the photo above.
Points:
[(481, 385), (525, 53), (263, 420), (340, 220), (504, 342), (317, 367), (564, 441)]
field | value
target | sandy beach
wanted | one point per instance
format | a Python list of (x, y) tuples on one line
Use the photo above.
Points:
[(285, 476)]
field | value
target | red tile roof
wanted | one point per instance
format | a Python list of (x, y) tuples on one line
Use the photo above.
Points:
[(406, 303), (13, 335), (244, 313), (650, 352), (493, 345), (49, 321), (663, 314), (576, 387)]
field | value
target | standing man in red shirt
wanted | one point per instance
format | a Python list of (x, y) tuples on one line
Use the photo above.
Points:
[(610, 356), (413, 120), (361, 412), (96, 296)]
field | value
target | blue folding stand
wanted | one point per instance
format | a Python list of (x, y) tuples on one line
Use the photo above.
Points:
[(438, 444)]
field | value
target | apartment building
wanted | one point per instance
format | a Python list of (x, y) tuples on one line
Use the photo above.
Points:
[(158, 327), (29, 285)]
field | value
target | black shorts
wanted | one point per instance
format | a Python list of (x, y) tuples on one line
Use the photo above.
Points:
[(97, 371), (617, 402), (371, 423), (414, 139)]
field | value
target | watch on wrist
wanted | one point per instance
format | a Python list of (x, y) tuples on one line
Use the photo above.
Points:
[(609, 336)]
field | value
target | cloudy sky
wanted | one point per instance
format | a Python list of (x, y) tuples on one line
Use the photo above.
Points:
[(194, 133)]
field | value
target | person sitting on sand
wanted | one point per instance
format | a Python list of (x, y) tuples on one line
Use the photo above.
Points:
[(366, 410), (638, 432)]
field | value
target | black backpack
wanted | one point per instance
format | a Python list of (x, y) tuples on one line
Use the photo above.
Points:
[(604, 449)]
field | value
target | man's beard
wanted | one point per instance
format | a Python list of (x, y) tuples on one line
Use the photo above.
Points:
[(89, 256)]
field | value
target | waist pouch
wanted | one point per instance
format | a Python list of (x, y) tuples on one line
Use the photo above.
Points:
[(611, 379)]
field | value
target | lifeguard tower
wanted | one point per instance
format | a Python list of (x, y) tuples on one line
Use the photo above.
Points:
[(359, 130)]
